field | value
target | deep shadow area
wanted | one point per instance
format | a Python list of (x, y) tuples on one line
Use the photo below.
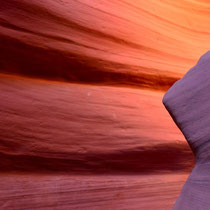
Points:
[(20, 58), (162, 159)]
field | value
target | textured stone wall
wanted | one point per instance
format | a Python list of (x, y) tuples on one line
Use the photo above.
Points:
[(82, 124)]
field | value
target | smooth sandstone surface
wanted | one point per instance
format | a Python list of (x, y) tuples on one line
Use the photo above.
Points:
[(71, 128), (82, 124), (69, 146), (121, 42), (66, 192)]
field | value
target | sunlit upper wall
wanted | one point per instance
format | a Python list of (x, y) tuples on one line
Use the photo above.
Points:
[(143, 39)]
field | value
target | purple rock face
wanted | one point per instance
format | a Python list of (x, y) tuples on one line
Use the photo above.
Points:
[(188, 102)]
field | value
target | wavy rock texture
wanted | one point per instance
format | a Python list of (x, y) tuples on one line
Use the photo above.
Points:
[(139, 43), (82, 122), (87, 147)]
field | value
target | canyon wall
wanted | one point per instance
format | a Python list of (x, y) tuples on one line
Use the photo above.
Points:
[(82, 123)]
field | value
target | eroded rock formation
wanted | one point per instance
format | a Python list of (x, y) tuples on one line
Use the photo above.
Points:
[(82, 125), (188, 103), (138, 43)]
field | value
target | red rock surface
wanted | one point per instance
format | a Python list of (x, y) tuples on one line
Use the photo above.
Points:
[(82, 124), (96, 129), (87, 147), (139, 43)]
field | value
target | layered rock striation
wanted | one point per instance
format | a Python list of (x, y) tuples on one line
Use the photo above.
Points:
[(82, 125)]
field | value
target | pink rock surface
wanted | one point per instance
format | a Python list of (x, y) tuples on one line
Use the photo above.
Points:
[(66, 192), (103, 141), (71, 146)]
